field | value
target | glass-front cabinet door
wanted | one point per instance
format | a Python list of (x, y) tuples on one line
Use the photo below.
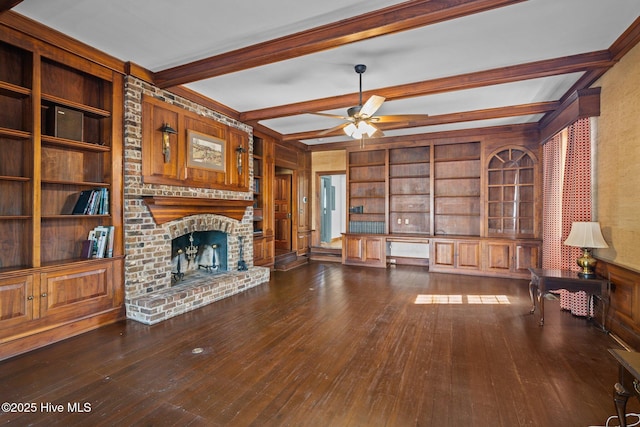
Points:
[(511, 193)]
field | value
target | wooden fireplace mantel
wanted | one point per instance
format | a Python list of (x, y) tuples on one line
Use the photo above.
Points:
[(168, 208)]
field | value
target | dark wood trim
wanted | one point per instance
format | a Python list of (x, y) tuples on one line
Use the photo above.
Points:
[(393, 19), (583, 103), (139, 72), (60, 332), (530, 130), (465, 116), (8, 4), (261, 129), (531, 70), (165, 209), (626, 41)]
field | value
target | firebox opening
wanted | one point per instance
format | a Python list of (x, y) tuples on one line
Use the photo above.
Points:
[(197, 254)]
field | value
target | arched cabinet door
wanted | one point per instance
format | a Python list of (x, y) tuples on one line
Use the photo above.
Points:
[(511, 193)]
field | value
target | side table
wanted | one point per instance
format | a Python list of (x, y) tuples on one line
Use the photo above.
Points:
[(545, 280), (628, 381)]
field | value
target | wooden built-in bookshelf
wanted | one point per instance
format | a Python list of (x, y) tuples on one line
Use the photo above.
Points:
[(45, 282), (475, 204)]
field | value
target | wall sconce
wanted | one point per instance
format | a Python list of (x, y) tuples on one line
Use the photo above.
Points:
[(166, 147), (239, 151)]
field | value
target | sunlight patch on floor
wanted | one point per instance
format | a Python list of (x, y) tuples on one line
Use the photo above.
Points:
[(462, 299)]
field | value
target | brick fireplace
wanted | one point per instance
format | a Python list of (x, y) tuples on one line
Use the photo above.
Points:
[(155, 214), (164, 297)]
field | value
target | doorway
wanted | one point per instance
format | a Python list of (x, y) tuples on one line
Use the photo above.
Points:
[(332, 208)]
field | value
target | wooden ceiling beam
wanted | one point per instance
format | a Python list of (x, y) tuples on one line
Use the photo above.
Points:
[(465, 116), (531, 70), (393, 19), (8, 4)]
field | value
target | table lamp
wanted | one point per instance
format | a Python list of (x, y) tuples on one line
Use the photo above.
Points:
[(586, 235)]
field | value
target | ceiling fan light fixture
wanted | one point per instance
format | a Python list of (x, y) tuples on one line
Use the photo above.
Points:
[(364, 127), (351, 130), (357, 131)]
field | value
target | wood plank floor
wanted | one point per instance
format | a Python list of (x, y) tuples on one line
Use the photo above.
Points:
[(331, 345)]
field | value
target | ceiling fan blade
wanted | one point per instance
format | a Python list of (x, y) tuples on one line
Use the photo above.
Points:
[(333, 129), (400, 118), (333, 116), (371, 106)]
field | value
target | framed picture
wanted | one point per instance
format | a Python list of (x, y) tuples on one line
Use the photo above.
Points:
[(205, 151)]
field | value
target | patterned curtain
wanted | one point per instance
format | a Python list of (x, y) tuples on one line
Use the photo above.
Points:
[(576, 189), (553, 161), (566, 198)]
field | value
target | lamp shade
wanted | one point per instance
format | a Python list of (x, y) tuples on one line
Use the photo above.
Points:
[(586, 235)]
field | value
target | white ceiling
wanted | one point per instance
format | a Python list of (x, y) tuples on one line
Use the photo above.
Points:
[(160, 34)]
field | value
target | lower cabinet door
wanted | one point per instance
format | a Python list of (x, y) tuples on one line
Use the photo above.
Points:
[(526, 255), (364, 250), (75, 292), (16, 303), (499, 256)]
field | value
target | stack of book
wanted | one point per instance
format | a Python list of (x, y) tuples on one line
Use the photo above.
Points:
[(92, 202), (99, 243)]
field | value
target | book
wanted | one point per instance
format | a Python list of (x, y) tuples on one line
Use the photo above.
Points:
[(110, 241), (101, 236), (87, 248), (82, 203)]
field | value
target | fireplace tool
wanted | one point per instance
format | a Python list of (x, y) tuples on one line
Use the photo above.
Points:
[(178, 275), (242, 266)]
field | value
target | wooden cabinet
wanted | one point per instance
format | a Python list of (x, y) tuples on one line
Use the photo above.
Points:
[(359, 249), (511, 258), (511, 195), (450, 254), (496, 257), (60, 135), (66, 293), (263, 250), (477, 203), (16, 299)]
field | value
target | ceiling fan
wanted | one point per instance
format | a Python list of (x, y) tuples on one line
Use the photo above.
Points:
[(360, 119)]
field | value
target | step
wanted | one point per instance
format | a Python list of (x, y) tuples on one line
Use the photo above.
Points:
[(289, 264), (325, 254)]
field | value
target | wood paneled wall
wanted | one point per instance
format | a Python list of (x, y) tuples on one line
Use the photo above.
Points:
[(624, 313)]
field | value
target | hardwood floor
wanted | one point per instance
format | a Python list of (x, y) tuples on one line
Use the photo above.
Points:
[(330, 345)]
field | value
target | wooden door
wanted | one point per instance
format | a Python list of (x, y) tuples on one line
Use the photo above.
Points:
[(282, 207)]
